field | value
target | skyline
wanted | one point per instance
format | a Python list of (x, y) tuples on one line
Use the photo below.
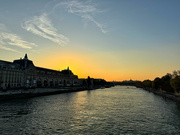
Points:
[(113, 40)]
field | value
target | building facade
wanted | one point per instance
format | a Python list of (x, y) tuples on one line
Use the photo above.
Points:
[(23, 73)]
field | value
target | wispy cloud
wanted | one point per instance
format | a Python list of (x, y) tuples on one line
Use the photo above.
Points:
[(9, 39), (42, 26), (100, 26), (6, 48), (83, 9)]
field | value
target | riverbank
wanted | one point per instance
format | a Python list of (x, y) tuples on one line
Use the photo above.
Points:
[(35, 92), (174, 97)]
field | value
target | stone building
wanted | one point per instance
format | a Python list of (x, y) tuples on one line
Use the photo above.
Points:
[(23, 73)]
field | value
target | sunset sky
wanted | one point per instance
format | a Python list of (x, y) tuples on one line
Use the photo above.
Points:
[(110, 39)]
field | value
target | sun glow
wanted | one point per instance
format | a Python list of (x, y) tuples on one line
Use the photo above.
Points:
[(100, 65)]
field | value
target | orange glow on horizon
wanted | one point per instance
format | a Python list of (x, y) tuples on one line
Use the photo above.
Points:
[(93, 66)]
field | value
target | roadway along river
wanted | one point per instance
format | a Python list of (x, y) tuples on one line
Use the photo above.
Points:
[(110, 111)]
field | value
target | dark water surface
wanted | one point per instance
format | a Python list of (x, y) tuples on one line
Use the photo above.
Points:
[(111, 111)]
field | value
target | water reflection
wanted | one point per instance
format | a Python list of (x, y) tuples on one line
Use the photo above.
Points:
[(15, 108), (117, 110)]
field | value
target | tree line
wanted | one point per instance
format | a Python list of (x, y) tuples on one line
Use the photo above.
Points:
[(169, 82), (92, 82)]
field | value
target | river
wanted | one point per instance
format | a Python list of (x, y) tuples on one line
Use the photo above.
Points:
[(110, 111)]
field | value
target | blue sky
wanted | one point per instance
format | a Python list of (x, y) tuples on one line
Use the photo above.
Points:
[(116, 39)]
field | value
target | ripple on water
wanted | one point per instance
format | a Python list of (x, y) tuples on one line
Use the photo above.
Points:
[(111, 111)]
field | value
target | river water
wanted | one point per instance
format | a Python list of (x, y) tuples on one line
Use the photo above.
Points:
[(110, 111)]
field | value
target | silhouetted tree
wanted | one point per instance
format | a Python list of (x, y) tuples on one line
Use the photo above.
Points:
[(169, 82), (165, 83), (156, 84), (176, 73), (147, 83), (139, 84), (175, 81), (175, 84)]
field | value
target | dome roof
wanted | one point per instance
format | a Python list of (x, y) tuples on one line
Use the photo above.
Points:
[(24, 62)]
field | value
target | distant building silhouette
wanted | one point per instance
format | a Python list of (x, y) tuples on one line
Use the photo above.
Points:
[(23, 73)]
